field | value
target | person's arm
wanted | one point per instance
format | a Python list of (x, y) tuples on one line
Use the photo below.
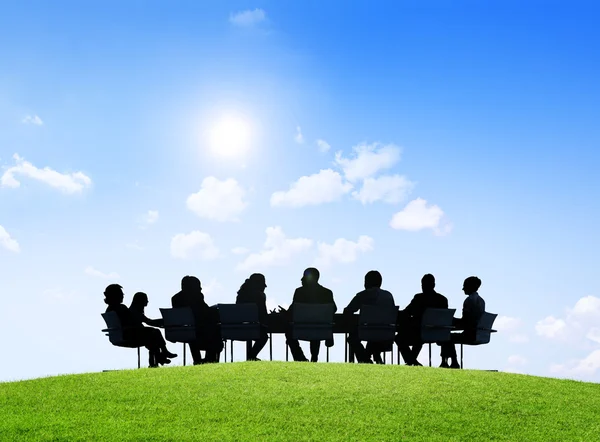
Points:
[(411, 308), (332, 301), (354, 305), (153, 322)]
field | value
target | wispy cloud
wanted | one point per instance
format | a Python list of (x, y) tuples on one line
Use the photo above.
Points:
[(417, 215), (66, 182), (248, 18), (193, 245), (323, 145), (323, 187), (299, 138), (277, 250), (149, 218), (389, 189), (7, 242), (32, 119), (342, 250), (218, 200), (367, 160), (91, 271)]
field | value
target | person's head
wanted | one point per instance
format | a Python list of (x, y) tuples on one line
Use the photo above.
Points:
[(310, 276), (471, 285), (427, 283), (140, 299), (113, 294), (373, 279), (191, 284), (258, 281)]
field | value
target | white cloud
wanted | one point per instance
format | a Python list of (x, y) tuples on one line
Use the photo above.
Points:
[(518, 338), (323, 187), (8, 242), (240, 251), (218, 200), (323, 145), (277, 250), (390, 189), (194, 245), (580, 324), (134, 246), (67, 183), (342, 250), (551, 327), (507, 323), (585, 367), (32, 119), (91, 271), (517, 360), (417, 215), (299, 138), (149, 218), (368, 160), (248, 18)]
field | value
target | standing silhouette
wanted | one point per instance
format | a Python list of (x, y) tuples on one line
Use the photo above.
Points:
[(311, 292), (134, 330), (409, 319), (473, 309), (371, 295), (253, 291), (208, 333)]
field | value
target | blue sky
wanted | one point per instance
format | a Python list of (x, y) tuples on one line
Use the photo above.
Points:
[(410, 137)]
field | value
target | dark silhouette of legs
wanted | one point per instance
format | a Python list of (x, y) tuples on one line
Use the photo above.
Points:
[(295, 348), (258, 346), (359, 350), (315, 346)]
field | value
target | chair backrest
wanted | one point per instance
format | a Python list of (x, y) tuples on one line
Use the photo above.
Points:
[(312, 322), (238, 313), (115, 330), (179, 323), (376, 323), (436, 324), (484, 328), (239, 322)]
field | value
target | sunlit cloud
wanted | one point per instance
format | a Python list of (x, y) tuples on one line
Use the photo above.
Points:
[(32, 119), (417, 215), (323, 187), (218, 200), (194, 245), (248, 18), (7, 242)]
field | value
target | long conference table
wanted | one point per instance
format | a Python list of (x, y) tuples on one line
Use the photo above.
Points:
[(278, 323)]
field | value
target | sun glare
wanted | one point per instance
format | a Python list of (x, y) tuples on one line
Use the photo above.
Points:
[(230, 136)]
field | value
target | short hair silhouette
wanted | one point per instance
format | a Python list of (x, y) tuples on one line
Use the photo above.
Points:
[(113, 294), (373, 279), (472, 283), (428, 282), (190, 283), (311, 276), (257, 279)]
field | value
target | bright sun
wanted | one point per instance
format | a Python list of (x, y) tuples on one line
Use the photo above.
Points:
[(230, 136)]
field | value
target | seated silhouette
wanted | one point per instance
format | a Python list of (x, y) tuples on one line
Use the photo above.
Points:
[(311, 292), (134, 330), (373, 295), (409, 319), (208, 332), (252, 291), (473, 309)]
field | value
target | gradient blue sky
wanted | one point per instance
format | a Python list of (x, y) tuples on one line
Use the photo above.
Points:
[(477, 124)]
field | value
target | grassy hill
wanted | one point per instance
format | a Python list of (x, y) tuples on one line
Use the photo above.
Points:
[(300, 401)]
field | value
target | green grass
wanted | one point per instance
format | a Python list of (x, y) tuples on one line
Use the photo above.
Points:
[(300, 401)]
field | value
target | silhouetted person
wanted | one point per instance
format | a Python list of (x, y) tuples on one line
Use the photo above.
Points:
[(253, 291), (473, 309), (133, 329), (208, 331), (409, 319), (137, 307), (311, 292), (371, 295)]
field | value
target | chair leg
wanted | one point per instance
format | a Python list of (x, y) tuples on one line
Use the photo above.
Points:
[(225, 350), (384, 357), (398, 356), (270, 346), (139, 365), (184, 354), (461, 356), (231, 350), (430, 354), (286, 352), (327, 354), (345, 347)]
